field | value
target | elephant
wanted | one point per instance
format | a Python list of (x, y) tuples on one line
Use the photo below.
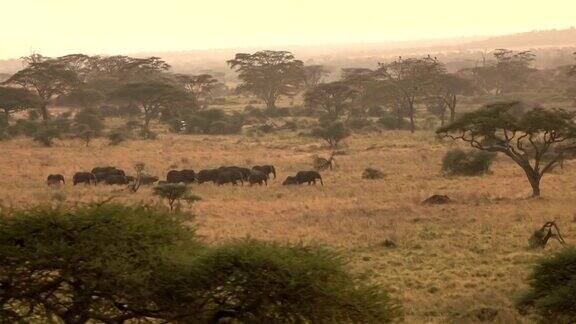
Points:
[(309, 177), (115, 179), (185, 176), (233, 177), (290, 181), (84, 177), (266, 169), (207, 175), (245, 172), (55, 179), (258, 177)]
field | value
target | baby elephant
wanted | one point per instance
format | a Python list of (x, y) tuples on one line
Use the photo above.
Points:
[(290, 181), (55, 179), (258, 177), (309, 177)]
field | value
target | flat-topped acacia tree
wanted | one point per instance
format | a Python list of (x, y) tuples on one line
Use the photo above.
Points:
[(268, 74), (536, 140)]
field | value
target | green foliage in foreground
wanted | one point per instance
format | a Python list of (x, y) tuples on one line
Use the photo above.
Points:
[(552, 291), (113, 263)]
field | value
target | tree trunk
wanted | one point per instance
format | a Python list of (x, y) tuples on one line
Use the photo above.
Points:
[(452, 107), (7, 114), (534, 179), (44, 111), (412, 123)]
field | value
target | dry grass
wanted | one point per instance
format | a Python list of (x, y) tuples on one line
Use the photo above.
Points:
[(450, 261)]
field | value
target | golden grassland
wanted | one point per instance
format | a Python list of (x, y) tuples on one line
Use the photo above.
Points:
[(451, 261)]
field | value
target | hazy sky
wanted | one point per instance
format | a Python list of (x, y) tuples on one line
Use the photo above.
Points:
[(57, 27)]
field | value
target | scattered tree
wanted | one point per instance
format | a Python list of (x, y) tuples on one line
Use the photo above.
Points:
[(411, 77), (332, 98), (268, 74), (175, 193), (151, 97), (314, 75), (47, 78), (333, 133), (523, 137)]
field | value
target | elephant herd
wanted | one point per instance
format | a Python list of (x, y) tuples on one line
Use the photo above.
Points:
[(234, 175)]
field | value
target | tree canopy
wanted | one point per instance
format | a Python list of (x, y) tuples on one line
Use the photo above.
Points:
[(16, 99), (268, 74)]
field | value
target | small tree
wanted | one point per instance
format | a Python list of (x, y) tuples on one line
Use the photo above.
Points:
[(314, 75), (151, 97), (175, 193), (84, 133), (552, 288), (332, 98), (333, 133), (526, 138)]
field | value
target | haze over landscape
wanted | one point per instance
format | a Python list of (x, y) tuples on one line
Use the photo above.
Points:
[(287, 161)]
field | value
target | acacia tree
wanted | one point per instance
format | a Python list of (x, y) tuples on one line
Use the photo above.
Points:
[(333, 98), (16, 99), (200, 87), (536, 140), (268, 74), (314, 75), (411, 77), (444, 94), (363, 81), (151, 97), (48, 78)]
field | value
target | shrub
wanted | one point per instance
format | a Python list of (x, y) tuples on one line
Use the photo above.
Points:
[(357, 123), (553, 288), (90, 118), (459, 162), (372, 174), (332, 133), (391, 122), (90, 263), (111, 263), (118, 136), (46, 135), (376, 111), (259, 282)]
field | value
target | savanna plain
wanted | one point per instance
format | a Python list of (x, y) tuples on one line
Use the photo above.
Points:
[(459, 262)]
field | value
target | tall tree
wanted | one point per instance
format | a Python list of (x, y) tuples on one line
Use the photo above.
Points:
[(333, 98), (363, 82), (48, 78), (268, 74), (151, 97), (411, 77), (536, 140), (16, 99)]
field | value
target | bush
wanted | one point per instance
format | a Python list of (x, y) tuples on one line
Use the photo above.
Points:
[(372, 174), (84, 263), (332, 133), (118, 136), (390, 122), (459, 162), (46, 135), (90, 118), (274, 283), (553, 288), (357, 123), (111, 263)]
